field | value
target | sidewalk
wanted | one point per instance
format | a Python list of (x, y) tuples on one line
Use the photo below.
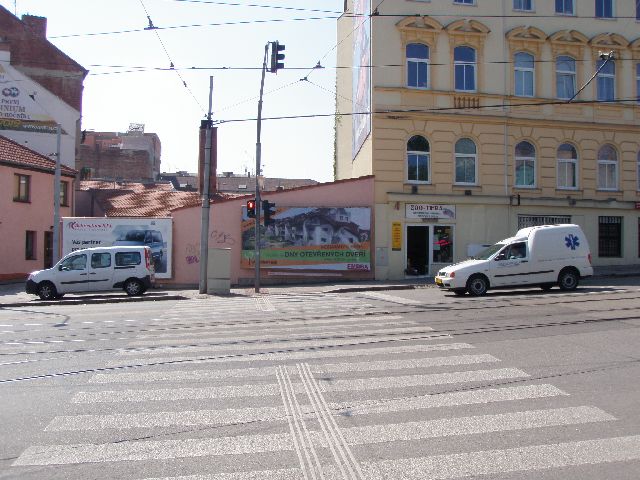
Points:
[(13, 294)]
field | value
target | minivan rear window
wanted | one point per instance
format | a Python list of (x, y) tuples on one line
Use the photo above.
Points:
[(124, 259)]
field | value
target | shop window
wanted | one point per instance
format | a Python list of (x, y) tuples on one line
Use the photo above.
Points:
[(418, 159), (417, 65), (524, 74), (607, 168), (609, 236), (606, 80), (442, 244), (30, 245), (465, 69), (22, 188), (565, 77), (525, 165), (466, 162), (567, 166)]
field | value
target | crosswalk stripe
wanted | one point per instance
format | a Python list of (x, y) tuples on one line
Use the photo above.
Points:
[(323, 353), (393, 298), (285, 474), (256, 337), (447, 427), (493, 462), (204, 375)]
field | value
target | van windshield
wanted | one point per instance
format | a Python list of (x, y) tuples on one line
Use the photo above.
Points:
[(134, 236), (489, 252)]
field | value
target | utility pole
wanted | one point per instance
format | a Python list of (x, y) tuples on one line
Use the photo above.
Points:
[(206, 207), (56, 200), (258, 170)]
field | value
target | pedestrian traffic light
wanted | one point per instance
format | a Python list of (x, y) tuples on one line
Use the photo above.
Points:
[(251, 208), (277, 58), (269, 210)]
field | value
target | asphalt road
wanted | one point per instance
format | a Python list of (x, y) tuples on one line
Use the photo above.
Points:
[(414, 384)]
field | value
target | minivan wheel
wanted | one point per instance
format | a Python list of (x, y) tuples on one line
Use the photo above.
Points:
[(477, 286), (47, 291), (568, 279), (133, 287)]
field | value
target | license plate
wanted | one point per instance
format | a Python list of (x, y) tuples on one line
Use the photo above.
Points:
[(438, 281)]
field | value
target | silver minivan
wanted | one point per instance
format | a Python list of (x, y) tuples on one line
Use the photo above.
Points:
[(94, 270)]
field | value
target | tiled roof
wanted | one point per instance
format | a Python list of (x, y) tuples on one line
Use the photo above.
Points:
[(233, 184), (15, 154)]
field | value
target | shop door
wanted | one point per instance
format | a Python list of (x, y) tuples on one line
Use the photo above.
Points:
[(417, 250)]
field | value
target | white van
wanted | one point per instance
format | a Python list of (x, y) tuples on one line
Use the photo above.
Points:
[(93, 270), (546, 256)]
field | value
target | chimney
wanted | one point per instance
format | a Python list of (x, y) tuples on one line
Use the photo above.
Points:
[(37, 25), (214, 157)]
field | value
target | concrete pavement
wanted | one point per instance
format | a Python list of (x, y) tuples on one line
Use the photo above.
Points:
[(13, 294)]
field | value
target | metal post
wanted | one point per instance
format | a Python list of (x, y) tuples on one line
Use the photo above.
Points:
[(257, 176), (56, 200), (204, 231)]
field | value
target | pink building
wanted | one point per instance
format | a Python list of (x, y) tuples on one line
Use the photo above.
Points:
[(26, 208)]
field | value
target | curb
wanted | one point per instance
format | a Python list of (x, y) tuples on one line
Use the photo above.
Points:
[(94, 300)]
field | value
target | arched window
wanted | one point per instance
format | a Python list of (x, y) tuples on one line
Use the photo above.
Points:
[(465, 69), (524, 71), (567, 166), (606, 82), (607, 168), (417, 65), (466, 162), (565, 77), (525, 165), (418, 159)]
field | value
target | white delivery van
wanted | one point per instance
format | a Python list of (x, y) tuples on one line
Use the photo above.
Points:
[(93, 270), (545, 256)]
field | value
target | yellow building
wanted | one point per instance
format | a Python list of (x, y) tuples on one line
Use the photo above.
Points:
[(479, 117)]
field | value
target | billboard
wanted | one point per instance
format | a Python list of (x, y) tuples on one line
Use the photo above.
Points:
[(311, 238), (156, 233), (361, 103)]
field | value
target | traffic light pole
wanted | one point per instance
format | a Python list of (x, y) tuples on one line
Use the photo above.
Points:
[(258, 170)]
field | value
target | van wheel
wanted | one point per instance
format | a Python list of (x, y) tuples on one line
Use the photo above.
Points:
[(568, 279), (133, 287), (477, 285), (47, 291)]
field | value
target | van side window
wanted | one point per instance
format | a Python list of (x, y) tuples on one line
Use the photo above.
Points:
[(100, 260), (124, 259), (76, 262), (517, 250)]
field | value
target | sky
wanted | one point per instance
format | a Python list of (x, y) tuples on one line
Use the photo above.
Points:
[(130, 80)]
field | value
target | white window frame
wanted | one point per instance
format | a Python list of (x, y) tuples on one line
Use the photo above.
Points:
[(525, 160), (465, 156), (523, 72), (562, 163), (418, 153), (606, 164), (420, 61), (565, 10), (607, 77), (464, 63), (566, 73), (464, 2), (521, 8)]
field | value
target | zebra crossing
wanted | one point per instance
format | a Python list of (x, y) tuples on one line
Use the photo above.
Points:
[(355, 397)]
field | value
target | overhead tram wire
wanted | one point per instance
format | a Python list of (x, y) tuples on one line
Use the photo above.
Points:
[(254, 5), (171, 64)]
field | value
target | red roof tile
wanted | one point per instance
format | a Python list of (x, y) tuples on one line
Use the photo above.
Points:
[(15, 154)]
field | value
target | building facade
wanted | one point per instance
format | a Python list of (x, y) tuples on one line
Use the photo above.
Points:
[(479, 117)]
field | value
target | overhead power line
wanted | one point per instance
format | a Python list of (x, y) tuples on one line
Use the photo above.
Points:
[(252, 5)]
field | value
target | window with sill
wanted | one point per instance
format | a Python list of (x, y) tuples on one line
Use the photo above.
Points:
[(606, 80), (30, 245), (565, 7), (22, 188), (465, 69), (525, 165), (609, 236), (524, 74), (466, 160), (464, 2), (604, 8), (524, 5), (567, 166), (418, 159), (64, 194), (565, 77), (417, 65), (607, 168)]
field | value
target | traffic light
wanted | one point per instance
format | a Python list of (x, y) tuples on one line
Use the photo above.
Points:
[(251, 208), (269, 210), (277, 58)]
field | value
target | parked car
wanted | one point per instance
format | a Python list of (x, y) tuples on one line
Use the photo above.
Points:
[(545, 256), (93, 270), (149, 238)]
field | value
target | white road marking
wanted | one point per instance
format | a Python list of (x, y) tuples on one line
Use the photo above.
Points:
[(393, 298)]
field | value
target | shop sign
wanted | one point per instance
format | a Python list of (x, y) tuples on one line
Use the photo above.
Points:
[(430, 211), (396, 236)]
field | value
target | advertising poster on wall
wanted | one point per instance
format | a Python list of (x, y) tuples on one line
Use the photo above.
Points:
[(361, 124), (312, 238), (155, 233)]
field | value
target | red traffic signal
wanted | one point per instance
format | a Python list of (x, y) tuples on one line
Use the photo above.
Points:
[(251, 208)]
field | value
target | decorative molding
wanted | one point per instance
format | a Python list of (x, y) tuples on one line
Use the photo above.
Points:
[(419, 29)]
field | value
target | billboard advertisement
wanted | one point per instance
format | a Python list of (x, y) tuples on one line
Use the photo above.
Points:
[(311, 238), (361, 103), (155, 233)]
